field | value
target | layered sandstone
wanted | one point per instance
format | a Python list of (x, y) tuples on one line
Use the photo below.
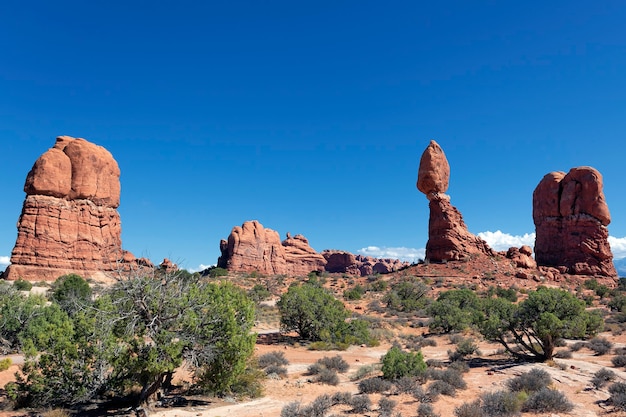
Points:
[(69, 221), (448, 237), (251, 247), (571, 218)]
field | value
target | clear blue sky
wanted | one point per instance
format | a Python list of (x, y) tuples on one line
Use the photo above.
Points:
[(311, 116)]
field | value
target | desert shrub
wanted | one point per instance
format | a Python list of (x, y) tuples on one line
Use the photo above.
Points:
[(502, 403), (335, 362), (71, 292), (354, 293), (600, 345), (386, 406), (602, 377), (217, 272), (507, 293), (576, 346), (435, 363), (563, 354), (618, 395), (328, 377), (619, 361), (460, 366), (343, 397), (318, 407), (530, 381), (455, 338), (454, 378), (360, 403), (363, 371), (291, 410), (620, 350), (249, 383), (22, 285), (407, 296), (454, 310), (440, 387), (405, 385), (546, 401), (421, 395), (276, 357), (472, 409), (428, 342), (259, 293), (397, 363), (5, 364), (315, 368), (373, 385), (466, 347), (276, 369), (426, 410)]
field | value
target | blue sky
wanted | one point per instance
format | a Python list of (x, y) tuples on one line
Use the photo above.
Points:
[(311, 116)]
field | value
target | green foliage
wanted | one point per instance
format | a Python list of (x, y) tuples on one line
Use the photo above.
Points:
[(217, 272), (22, 285), (537, 323), (530, 381), (407, 296), (5, 364), (502, 403), (259, 293), (397, 363), (454, 310), (354, 293), (507, 293), (71, 292), (16, 311), (547, 401)]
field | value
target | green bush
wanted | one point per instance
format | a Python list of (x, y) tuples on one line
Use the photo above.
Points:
[(259, 293), (354, 293), (22, 285), (407, 296), (502, 403), (397, 363), (71, 292), (454, 310), (217, 272), (530, 381), (5, 364)]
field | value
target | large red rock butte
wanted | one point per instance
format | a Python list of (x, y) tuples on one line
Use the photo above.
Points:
[(69, 221), (448, 237), (571, 218), (251, 247)]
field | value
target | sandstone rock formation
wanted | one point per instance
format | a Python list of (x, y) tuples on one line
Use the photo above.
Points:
[(522, 257), (571, 218), (346, 262), (251, 247), (448, 237), (69, 221)]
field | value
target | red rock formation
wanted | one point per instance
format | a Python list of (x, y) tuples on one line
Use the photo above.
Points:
[(571, 218), (252, 247), (448, 237), (522, 257), (346, 262), (69, 222)]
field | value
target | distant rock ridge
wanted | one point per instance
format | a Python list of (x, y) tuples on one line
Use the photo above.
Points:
[(448, 237), (69, 221), (571, 218), (252, 247)]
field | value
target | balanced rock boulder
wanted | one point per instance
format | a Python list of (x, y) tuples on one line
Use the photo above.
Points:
[(69, 221), (448, 237), (571, 218), (251, 247)]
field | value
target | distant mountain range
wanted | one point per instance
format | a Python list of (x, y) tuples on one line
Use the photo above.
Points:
[(620, 265)]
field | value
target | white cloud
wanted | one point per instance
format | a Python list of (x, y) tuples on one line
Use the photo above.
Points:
[(200, 268), (618, 247), (404, 254), (500, 241), (4, 260)]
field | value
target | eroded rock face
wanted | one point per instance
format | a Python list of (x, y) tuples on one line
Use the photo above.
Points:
[(346, 262), (69, 221), (448, 237), (571, 218), (252, 247)]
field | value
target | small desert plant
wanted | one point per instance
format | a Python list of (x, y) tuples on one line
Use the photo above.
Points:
[(472, 409), (426, 410), (58, 412), (563, 354), (440, 387), (318, 407), (575, 347), (502, 403), (460, 366), (600, 345), (405, 385), (602, 377), (386, 406), (547, 400), (530, 381), (360, 403), (619, 361), (397, 363), (22, 285), (435, 363), (291, 410), (455, 338), (428, 342), (464, 348), (372, 385), (277, 370), (5, 364), (343, 397), (328, 377), (618, 395), (336, 362), (420, 395), (363, 371), (272, 358)]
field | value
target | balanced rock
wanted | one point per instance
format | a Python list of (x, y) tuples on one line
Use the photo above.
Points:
[(571, 218), (251, 247), (448, 237), (69, 221)]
